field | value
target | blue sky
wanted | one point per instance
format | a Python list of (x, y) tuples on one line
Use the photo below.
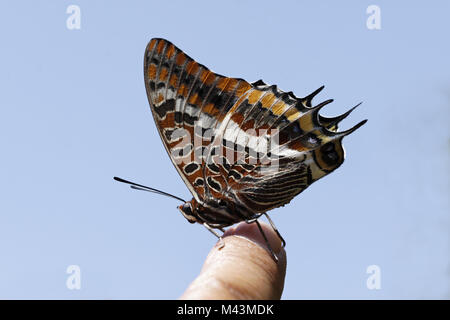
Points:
[(74, 114)]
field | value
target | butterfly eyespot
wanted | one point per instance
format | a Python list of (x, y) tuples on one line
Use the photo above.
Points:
[(328, 147)]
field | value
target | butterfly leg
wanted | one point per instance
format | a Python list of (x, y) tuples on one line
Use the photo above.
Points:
[(267, 241), (283, 242), (221, 243), (255, 220), (252, 220)]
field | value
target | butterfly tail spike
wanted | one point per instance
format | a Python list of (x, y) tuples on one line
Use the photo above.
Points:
[(331, 123), (307, 100), (347, 132), (322, 104)]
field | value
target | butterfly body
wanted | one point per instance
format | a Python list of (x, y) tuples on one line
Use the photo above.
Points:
[(241, 148)]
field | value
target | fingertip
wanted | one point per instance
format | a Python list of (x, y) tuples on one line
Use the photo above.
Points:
[(243, 268), (251, 232)]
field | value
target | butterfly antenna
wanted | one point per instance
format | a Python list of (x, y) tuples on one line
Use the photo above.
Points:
[(145, 188)]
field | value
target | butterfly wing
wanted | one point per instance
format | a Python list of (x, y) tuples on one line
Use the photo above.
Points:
[(272, 146), (250, 143), (188, 103)]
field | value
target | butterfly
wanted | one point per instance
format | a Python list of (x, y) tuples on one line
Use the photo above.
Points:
[(241, 148)]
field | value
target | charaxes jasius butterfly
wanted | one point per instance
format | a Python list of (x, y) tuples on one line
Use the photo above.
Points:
[(241, 148)]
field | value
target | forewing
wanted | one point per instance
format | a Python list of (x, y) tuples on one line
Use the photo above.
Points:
[(188, 103)]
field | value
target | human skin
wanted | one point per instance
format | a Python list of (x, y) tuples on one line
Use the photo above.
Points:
[(243, 268)]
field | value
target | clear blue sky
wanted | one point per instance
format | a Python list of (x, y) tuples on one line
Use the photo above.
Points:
[(73, 113)]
